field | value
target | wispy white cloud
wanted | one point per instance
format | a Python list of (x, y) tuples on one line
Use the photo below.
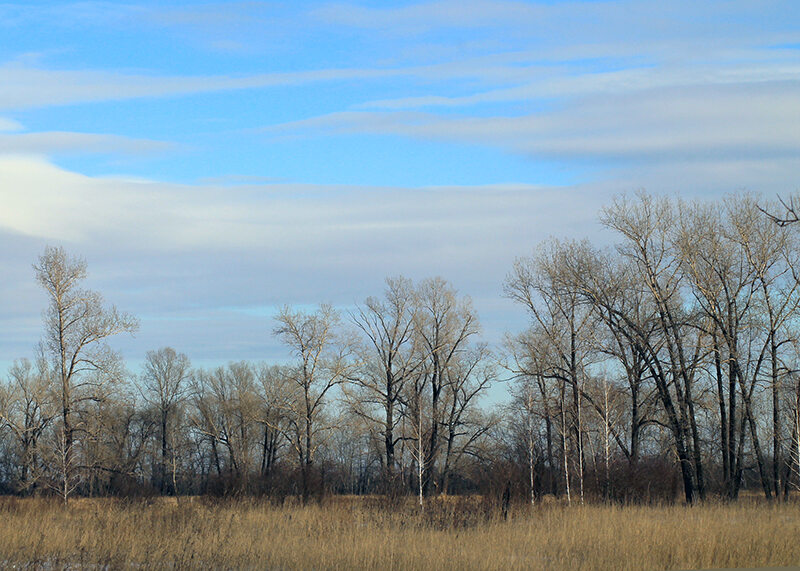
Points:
[(280, 218), (549, 66), (591, 20), (431, 15), (28, 87), (94, 14), (561, 83), (49, 143), (9, 125), (758, 120)]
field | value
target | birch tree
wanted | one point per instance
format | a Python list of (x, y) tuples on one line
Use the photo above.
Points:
[(566, 323), (646, 326)]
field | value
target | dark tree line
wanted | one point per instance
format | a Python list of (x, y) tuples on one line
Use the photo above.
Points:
[(663, 366)]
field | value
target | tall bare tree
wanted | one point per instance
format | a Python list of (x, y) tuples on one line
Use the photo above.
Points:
[(323, 363), (646, 225), (390, 356), (535, 397), (737, 263), (611, 286), (468, 378), (77, 324), (566, 323), (445, 324), (164, 385), (773, 254)]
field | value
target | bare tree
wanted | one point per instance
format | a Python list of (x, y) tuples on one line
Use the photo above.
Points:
[(390, 357), (164, 385), (275, 399), (645, 326), (773, 254), (77, 324), (445, 324), (115, 438), (227, 411), (323, 364), (566, 325), (525, 401), (534, 397), (646, 226), (27, 409), (737, 263), (724, 289), (467, 379)]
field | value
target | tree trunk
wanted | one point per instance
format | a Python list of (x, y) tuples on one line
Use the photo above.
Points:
[(388, 441), (726, 464), (777, 453), (162, 471)]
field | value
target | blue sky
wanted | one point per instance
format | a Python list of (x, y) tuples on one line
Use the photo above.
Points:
[(213, 161)]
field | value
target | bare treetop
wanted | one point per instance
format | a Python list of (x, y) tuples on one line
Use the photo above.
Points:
[(792, 215)]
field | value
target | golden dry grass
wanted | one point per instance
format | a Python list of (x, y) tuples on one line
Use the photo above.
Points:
[(356, 533)]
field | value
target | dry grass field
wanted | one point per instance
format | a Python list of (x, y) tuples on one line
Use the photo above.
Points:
[(362, 533)]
